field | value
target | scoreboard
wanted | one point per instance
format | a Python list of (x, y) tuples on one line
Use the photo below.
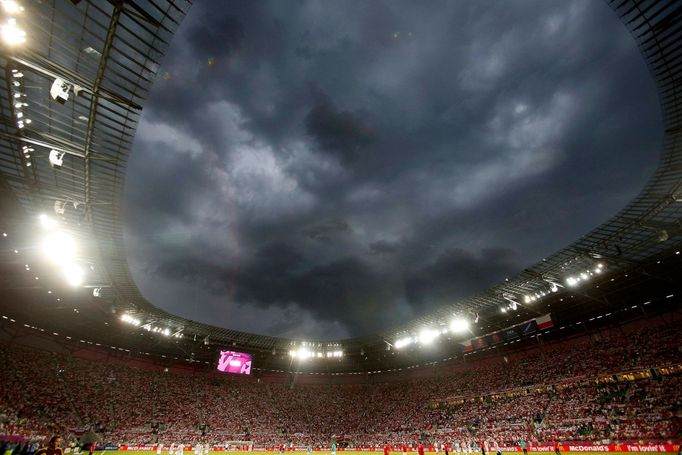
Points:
[(233, 362)]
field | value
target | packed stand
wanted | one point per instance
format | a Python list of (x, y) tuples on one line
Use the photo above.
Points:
[(540, 394)]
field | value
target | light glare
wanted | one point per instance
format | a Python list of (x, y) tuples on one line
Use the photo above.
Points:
[(12, 6), (46, 221), (59, 247), (459, 325), (426, 336), (12, 34), (73, 274)]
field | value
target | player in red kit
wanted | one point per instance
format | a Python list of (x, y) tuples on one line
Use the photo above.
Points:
[(420, 449), (404, 448), (387, 449), (557, 449)]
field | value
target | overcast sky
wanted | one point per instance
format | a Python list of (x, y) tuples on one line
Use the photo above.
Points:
[(325, 169)]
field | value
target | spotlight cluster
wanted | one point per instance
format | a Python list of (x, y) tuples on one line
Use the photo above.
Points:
[(11, 33), (165, 331), (530, 298), (130, 320), (552, 285), (428, 335), (19, 104), (304, 353), (60, 248), (150, 327), (312, 350), (585, 275)]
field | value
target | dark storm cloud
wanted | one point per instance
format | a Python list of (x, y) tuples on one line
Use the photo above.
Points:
[(326, 231), (343, 133), (458, 273), (328, 169), (384, 247), (216, 40)]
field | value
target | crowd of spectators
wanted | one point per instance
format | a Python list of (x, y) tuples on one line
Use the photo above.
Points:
[(546, 393)]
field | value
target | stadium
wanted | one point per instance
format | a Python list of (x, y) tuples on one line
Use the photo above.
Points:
[(579, 352)]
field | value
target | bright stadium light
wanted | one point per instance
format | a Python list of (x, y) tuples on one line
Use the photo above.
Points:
[(570, 281), (426, 336), (74, 274), (459, 326), (402, 342), (12, 34), (12, 7), (47, 222), (59, 247), (131, 320)]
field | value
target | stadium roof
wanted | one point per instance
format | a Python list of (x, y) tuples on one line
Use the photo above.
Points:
[(108, 54)]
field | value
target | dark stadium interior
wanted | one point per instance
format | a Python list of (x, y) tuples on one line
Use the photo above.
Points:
[(584, 345)]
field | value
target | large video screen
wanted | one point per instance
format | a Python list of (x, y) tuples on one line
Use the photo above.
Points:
[(234, 362)]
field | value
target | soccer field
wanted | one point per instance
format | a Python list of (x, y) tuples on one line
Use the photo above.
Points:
[(140, 452)]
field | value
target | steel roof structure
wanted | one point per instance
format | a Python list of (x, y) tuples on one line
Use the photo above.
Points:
[(108, 54)]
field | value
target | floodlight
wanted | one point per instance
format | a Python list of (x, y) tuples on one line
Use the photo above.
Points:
[(402, 342), (426, 336), (60, 90), (96, 292), (571, 281), (74, 274), (47, 222), (12, 34), (59, 247), (56, 158), (459, 325), (527, 299), (12, 7), (503, 309), (59, 207)]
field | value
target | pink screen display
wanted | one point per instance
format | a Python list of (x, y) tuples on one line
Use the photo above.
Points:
[(234, 362)]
